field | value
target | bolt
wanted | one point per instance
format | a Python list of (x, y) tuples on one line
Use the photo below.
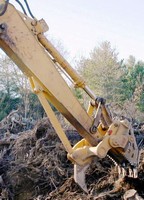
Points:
[(116, 124), (93, 129), (34, 23), (2, 27)]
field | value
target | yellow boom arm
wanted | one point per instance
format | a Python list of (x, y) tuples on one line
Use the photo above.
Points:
[(23, 40)]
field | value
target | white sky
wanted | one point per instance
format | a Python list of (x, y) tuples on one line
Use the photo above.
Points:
[(82, 24)]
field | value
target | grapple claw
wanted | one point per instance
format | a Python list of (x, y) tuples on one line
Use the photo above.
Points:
[(79, 176)]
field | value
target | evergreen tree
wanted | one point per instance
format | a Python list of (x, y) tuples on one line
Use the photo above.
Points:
[(101, 71)]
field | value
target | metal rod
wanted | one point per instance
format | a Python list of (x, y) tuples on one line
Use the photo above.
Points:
[(78, 81)]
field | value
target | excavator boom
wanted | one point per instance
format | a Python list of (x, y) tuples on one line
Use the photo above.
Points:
[(22, 39)]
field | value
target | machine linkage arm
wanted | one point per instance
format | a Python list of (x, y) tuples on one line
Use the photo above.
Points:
[(23, 40)]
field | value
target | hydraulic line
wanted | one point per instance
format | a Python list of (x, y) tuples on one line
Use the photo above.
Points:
[(29, 9), (21, 6)]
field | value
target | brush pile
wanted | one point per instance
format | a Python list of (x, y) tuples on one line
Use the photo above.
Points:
[(34, 166)]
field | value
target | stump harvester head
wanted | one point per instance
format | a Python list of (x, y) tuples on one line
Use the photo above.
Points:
[(22, 39)]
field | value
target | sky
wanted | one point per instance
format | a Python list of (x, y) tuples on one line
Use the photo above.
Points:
[(81, 25)]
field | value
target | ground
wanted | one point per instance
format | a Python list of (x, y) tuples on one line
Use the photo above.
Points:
[(34, 166)]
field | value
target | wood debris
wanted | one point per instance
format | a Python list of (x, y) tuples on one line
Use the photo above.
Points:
[(34, 166)]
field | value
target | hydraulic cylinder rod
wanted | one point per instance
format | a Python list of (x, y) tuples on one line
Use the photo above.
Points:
[(78, 81)]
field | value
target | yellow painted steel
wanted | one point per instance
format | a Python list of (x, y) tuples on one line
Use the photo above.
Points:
[(91, 109), (55, 122), (23, 40), (20, 42), (79, 82), (43, 100)]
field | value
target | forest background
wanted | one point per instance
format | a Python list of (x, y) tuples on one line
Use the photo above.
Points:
[(120, 81)]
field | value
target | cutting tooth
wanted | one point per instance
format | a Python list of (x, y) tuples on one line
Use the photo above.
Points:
[(135, 173), (79, 176), (122, 172), (131, 172), (119, 171)]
